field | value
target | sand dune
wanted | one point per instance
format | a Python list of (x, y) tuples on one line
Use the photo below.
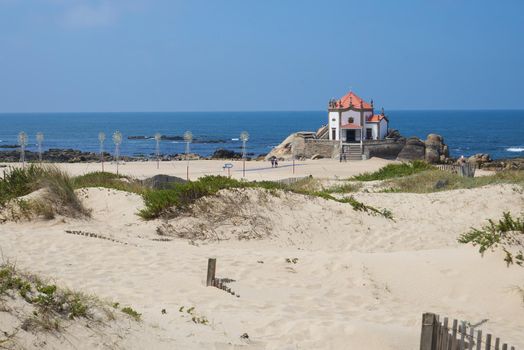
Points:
[(359, 281)]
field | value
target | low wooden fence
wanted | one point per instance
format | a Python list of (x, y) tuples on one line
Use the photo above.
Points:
[(466, 169), (443, 334), (291, 180)]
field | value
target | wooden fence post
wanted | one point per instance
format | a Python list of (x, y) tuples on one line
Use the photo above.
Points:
[(211, 267), (427, 336)]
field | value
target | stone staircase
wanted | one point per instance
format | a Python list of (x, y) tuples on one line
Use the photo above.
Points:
[(323, 132), (352, 151)]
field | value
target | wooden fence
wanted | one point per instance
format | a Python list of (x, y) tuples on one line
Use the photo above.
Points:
[(443, 334), (466, 169), (291, 180)]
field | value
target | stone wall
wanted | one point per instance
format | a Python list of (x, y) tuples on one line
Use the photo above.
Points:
[(318, 149)]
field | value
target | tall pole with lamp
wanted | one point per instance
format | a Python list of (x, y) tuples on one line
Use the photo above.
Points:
[(22, 141), (244, 137), (188, 137), (39, 141), (158, 137), (117, 140), (101, 139)]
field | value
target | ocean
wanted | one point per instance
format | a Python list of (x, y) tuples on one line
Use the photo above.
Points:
[(499, 133)]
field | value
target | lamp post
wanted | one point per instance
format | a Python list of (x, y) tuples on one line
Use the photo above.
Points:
[(158, 137), (244, 137), (22, 141), (101, 139), (117, 139), (39, 140), (188, 137)]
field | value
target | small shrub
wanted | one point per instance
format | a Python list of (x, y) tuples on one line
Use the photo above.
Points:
[(131, 312), (108, 180), (165, 203), (345, 188), (507, 232), (59, 197), (438, 180), (395, 170)]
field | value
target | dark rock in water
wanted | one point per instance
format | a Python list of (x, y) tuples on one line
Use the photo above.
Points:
[(171, 138), (504, 164), (176, 138), (226, 154), (414, 149), (9, 146), (182, 156), (58, 155), (162, 182)]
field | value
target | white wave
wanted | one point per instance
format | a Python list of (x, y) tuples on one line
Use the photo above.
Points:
[(515, 149), (235, 139)]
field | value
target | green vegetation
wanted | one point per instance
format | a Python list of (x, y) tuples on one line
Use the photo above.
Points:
[(43, 306), (52, 305), (347, 187), (437, 180), (508, 232), (194, 317), (108, 180), (167, 203), (59, 197), (131, 312), (391, 171), (19, 182)]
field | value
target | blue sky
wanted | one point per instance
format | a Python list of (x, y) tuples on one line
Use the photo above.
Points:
[(174, 55)]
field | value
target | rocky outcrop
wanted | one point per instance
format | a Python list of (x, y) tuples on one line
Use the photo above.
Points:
[(436, 150), (414, 149), (504, 164), (226, 154), (284, 150), (432, 150), (56, 155), (386, 149), (480, 158)]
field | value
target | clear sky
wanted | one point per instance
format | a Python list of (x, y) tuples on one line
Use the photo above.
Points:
[(206, 55)]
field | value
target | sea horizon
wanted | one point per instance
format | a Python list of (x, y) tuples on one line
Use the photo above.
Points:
[(267, 129)]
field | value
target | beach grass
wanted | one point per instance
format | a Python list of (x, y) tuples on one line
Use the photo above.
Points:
[(168, 203), (51, 304), (437, 180), (108, 180), (506, 232), (58, 197), (391, 171)]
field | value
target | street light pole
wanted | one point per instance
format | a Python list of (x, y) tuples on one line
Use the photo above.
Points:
[(22, 141), (188, 137), (158, 137), (101, 139), (117, 139), (244, 137), (39, 140)]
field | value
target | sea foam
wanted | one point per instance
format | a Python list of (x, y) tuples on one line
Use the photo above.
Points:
[(515, 149)]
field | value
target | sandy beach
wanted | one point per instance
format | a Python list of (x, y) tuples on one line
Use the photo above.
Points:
[(319, 275), (255, 170)]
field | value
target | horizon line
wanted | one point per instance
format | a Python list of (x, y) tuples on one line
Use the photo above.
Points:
[(272, 111)]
